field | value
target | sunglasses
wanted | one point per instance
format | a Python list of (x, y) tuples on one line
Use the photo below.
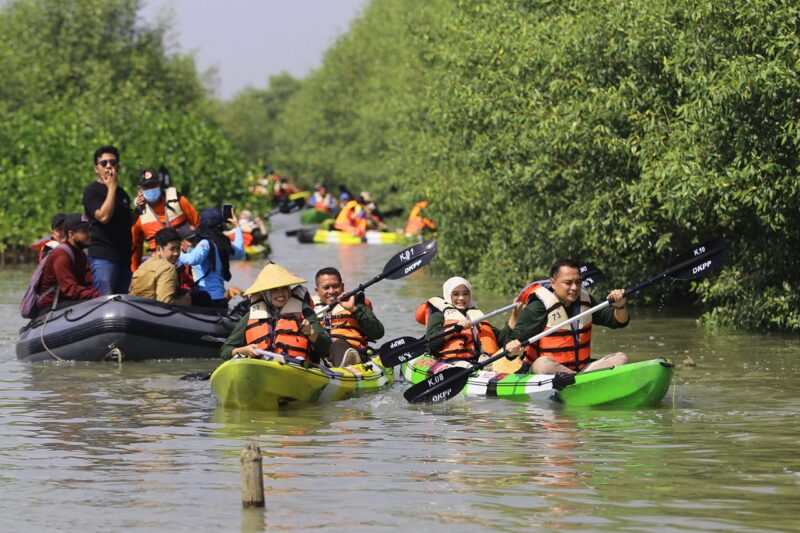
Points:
[(105, 162)]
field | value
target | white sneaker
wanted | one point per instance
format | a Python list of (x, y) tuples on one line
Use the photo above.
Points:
[(351, 357)]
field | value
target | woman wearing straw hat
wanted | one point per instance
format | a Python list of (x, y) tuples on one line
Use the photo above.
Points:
[(281, 320)]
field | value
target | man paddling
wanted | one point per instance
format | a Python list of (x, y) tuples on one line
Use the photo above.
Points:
[(351, 323), (569, 348)]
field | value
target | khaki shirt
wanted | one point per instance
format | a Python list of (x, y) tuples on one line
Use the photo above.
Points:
[(156, 279)]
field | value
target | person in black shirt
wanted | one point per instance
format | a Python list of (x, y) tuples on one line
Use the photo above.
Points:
[(108, 207)]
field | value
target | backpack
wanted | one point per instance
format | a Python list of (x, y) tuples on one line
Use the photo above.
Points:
[(28, 307)]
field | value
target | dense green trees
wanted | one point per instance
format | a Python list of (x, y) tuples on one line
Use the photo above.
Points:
[(84, 73), (249, 118), (615, 130)]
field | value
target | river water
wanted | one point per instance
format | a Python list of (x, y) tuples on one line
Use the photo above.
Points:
[(98, 447)]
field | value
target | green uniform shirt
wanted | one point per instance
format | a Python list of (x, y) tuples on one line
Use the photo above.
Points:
[(533, 319), (319, 349)]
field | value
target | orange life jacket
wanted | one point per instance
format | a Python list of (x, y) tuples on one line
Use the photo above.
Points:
[(416, 222), (571, 344), (279, 333), (464, 344), (323, 203), (247, 237), (341, 324), (351, 219), (172, 215)]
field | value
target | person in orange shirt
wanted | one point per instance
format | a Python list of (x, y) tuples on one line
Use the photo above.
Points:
[(417, 223), (352, 218), (163, 207)]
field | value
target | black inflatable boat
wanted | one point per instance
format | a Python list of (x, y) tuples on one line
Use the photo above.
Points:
[(126, 328)]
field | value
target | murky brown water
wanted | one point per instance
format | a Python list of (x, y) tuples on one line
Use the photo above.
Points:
[(96, 447)]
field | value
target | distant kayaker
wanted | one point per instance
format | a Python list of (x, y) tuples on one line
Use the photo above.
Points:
[(569, 349), (254, 231), (66, 274), (472, 342), (164, 207), (157, 277), (322, 200), (418, 223), (351, 323), (352, 218), (373, 214), (280, 320)]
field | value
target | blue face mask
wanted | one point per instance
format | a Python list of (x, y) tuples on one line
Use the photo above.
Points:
[(152, 195)]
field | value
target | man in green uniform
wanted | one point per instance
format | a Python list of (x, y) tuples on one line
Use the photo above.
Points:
[(569, 348), (351, 323)]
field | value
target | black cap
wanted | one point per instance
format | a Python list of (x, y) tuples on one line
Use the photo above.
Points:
[(75, 221), (57, 220), (148, 178)]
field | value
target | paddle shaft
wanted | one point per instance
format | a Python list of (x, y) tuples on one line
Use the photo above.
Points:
[(628, 292), (455, 329), (363, 286)]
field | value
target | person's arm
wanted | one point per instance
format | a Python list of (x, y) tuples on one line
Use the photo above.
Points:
[(137, 240), (106, 210), (190, 212), (321, 346), (166, 284), (68, 284), (531, 322), (197, 255), (370, 325), (238, 244), (610, 316), (435, 327), (236, 339)]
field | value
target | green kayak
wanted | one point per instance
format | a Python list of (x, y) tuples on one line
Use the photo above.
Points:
[(312, 216), (634, 385)]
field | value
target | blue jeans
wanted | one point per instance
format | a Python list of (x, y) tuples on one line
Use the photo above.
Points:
[(110, 277)]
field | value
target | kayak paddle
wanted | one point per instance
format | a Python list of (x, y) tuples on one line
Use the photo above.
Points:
[(444, 385), (403, 349), (399, 266)]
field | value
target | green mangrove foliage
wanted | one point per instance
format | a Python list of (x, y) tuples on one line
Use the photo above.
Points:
[(249, 118), (619, 131), (84, 73)]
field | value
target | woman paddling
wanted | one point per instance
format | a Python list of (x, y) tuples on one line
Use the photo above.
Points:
[(280, 320), (469, 343)]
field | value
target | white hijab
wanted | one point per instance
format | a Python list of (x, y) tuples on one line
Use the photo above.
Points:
[(452, 283)]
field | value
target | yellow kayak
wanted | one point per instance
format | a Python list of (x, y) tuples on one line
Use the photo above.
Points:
[(256, 251), (265, 384), (342, 237)]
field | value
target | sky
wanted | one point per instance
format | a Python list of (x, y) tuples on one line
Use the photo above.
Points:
[(247, 41)]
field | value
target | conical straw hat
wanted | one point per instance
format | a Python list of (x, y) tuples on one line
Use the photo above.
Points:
[(273, 276)]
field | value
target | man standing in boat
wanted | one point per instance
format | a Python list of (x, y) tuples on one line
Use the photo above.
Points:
[(163, 207), (351, 323), (568, 349), (109, 210)]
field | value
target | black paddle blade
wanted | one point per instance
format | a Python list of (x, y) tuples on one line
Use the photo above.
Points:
[(410, 260), (701, 260), (401, 350), (439, 387), (293, 232), (590, 275), (196, 376)]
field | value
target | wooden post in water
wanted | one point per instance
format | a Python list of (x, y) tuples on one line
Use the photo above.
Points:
[(252, 477)]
